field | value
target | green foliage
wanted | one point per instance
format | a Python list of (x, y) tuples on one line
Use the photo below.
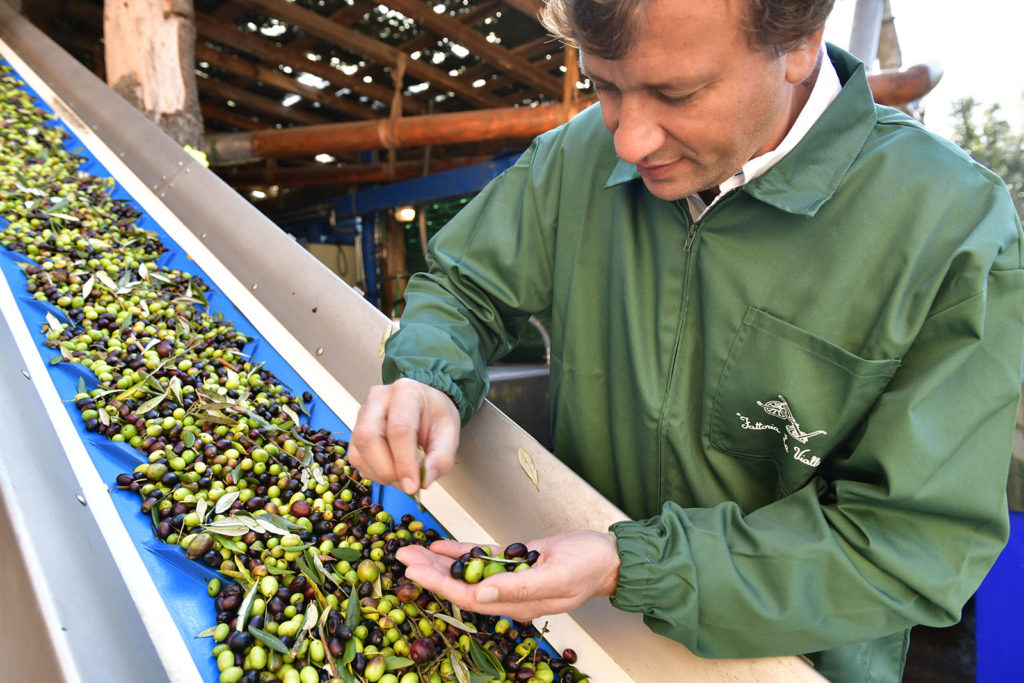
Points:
[(993, 142)]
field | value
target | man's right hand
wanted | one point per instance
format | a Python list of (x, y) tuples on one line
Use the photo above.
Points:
[(393, 423)]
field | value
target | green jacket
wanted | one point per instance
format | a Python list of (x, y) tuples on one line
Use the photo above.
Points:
[(807, 399)]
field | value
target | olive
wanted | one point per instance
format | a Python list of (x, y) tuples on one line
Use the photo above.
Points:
[(515, 551), (422, 650), (240, 641)]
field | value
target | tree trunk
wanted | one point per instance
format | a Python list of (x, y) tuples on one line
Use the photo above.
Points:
[(150, 59)]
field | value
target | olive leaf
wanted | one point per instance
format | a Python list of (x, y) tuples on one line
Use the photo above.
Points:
[(227, 527), (144, 272), (206, 632), (319, 565), (54, 324), (485, 660), (353, 614), (318, 474), (217, 420), (246, 606), (346, 554), (228, 543), (269, 526), (281, 522), (174, 386), (393, 662), (268, 639), (290, 413), (82, 389), (87, 287), (225, 501), (526, 462), (151, 404), (459, 668), (188, 438), (308, 622), (104, 417), (384, 340), (346, 658), (468, 628), (106, 281), (201, 506)]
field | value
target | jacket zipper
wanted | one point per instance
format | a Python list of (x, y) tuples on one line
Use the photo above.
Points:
[(692, 225)]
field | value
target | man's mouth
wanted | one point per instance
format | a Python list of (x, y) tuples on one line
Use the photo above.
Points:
[(657, 171)]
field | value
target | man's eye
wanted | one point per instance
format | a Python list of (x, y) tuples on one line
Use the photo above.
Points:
[(672, 98)]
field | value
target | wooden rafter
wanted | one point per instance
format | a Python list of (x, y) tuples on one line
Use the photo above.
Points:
[(274, 77), (504, 59), (371, 48), (272, 53), (220, 89)]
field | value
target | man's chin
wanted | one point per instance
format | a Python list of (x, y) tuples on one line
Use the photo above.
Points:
[(669, 190)]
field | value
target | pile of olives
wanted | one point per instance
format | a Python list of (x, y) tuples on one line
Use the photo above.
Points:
[(479, 563), (229, 469)]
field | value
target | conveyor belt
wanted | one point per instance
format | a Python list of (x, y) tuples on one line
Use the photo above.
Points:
[(108, 602)]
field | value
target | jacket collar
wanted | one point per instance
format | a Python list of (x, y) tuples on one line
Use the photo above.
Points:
[(809, 175)]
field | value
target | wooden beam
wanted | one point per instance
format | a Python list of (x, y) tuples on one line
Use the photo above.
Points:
[(149, 54), (902, 86), (349, 174), (273, 53), (256, 72), (376, 50), (229, 117), (496, 55), (221, 90), (412, 131), (530, 8)]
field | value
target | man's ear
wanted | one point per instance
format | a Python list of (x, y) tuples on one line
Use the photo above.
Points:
[(801, 60)]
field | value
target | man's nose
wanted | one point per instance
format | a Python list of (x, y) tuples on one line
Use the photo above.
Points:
[(637, 132)]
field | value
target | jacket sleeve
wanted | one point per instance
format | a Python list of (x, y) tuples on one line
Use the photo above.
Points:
[(489, 270), (900, 532)]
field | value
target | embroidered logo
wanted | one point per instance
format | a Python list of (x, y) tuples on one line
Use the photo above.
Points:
[(780, 409)]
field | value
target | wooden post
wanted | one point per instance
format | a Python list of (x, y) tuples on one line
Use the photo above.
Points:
[(150, 59), (396, 273)]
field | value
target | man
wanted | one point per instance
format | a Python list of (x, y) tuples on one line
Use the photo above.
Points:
[(786, 340)]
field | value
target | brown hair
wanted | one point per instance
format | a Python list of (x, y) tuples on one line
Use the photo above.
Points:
[(610, 28)]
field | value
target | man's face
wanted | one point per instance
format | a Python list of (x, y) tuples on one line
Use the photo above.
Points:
[(691, 103)]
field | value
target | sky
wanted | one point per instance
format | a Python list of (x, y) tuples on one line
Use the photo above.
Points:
[(978, 44)]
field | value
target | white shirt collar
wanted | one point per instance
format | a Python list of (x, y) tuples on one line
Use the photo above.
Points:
[(826, 88)]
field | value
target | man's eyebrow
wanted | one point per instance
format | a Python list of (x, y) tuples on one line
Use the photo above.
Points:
[(668, 86)]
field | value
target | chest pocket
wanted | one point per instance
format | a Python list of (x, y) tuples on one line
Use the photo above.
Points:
[(791, 397)]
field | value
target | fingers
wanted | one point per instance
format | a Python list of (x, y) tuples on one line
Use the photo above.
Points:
[(573, 567), (390, 427), (406, 412)]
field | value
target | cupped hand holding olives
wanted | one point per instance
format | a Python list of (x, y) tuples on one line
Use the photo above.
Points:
[(571, 568)]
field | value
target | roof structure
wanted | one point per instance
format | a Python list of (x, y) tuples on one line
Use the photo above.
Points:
[(269, 65)]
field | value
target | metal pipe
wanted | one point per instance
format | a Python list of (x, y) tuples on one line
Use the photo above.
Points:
[(867, 28), (412, 131)]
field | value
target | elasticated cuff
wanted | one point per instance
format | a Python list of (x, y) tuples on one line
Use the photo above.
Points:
[(636, 556)]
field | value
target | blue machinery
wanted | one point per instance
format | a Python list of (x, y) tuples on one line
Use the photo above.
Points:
[(349, 215)]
